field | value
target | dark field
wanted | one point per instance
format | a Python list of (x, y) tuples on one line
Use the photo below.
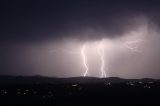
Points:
[(29, 91)]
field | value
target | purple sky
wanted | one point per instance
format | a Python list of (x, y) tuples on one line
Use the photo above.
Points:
[(46, 37)]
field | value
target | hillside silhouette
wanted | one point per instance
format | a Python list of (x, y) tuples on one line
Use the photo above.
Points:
[(43, 91)]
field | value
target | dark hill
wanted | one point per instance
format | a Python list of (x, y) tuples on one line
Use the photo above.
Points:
[(54, 80)]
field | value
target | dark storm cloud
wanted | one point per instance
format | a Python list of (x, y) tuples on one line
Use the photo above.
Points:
[(26, 20)]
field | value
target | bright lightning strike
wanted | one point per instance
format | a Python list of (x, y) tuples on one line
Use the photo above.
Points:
[(133, 45), (84, 60), (101, 54)]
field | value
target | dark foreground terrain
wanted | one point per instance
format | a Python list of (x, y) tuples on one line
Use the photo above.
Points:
[(38, 91)]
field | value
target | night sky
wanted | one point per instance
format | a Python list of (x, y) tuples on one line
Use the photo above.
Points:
[(40, 37)]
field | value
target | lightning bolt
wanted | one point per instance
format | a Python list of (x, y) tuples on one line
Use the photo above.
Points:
[(134, 45), (84, 60), (101, 54)]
